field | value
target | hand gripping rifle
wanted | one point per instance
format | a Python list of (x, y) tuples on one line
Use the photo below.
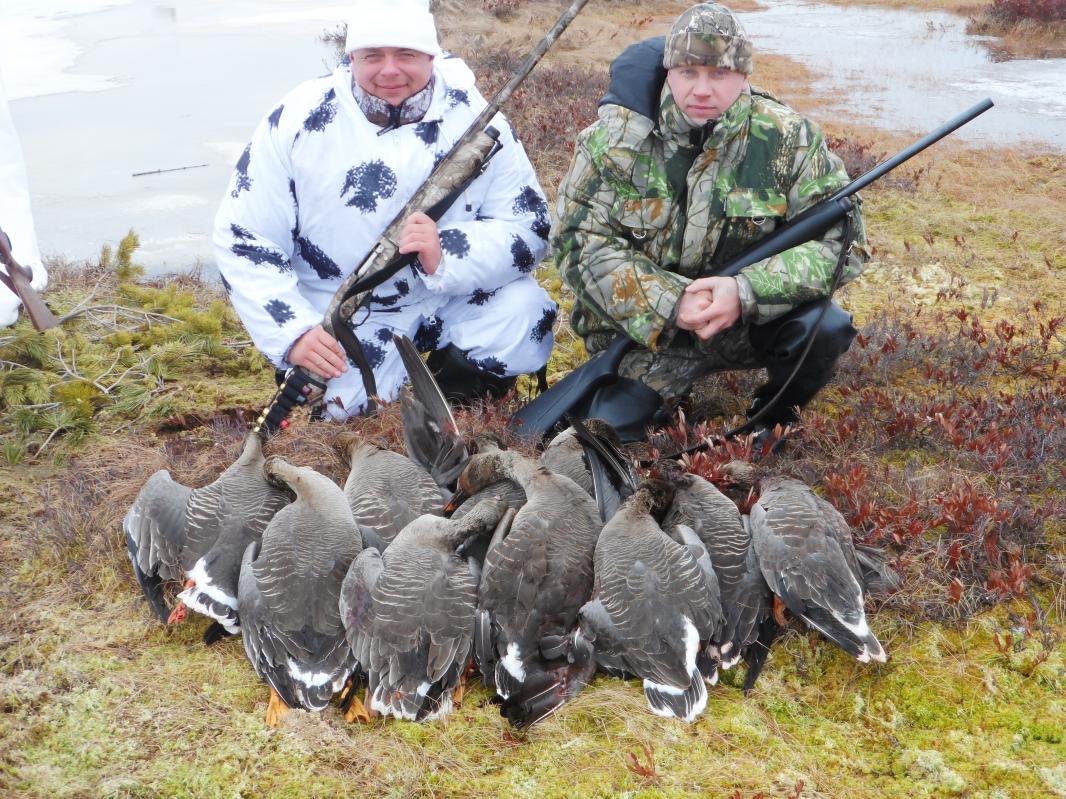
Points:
[(18, 279), (538, 417), (465, 161)]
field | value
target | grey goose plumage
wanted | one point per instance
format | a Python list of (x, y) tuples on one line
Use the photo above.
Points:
[(174, 532), (409, 613), (534, 582), (385, 490), (807, 556), (655, 606), (289, 590), (715, 518)]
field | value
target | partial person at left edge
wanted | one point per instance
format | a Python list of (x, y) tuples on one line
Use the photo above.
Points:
[(331, 166), (16, 217)]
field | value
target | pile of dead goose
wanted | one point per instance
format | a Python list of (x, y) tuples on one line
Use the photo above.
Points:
[(539, 571)]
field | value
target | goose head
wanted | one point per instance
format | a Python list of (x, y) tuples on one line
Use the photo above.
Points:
[(655, 496), (351, 446)]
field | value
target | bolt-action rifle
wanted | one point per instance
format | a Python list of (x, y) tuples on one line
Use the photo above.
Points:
[(464, 162), (18, 279), (539, 416)]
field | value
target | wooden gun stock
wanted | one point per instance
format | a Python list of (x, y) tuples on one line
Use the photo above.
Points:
[(18, 280)]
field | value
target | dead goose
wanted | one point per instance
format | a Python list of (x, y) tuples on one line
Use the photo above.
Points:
[(385, 490), (715, 518), (504, 489), (289, 591), (409, 614), (805, 551), (535, 581), (175, 532), (655, 605)]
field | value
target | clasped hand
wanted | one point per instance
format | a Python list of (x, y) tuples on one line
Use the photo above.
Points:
[(708, 306)]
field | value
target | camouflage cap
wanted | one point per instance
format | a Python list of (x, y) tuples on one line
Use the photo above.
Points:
[(708, 34)]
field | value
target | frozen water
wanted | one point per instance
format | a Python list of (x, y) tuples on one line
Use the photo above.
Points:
[(912, 70)]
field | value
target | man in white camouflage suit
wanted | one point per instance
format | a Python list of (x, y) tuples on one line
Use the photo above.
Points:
[(331, 166), (687, 166)]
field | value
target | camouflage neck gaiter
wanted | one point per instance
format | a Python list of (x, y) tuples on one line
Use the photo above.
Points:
[(676, 124), (381, 112)]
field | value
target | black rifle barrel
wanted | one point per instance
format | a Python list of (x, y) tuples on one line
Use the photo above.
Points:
[(819, 218), (950, 126)]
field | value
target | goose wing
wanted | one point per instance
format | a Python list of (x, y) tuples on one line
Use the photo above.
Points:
[(155, 533), (716, 519), (806, 563), (430, 432), (387, 491), (356, 601)]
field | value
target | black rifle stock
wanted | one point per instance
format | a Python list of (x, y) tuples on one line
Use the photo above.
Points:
[(540, 415), (462, 164)]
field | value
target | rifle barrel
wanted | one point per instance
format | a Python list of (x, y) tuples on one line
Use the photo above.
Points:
[(950, 126)]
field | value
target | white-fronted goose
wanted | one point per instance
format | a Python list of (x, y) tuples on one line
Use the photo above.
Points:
[(715, 518), (655, 606), (409, 614), (385, 490), (289, 591), (535, 581), (806, 553), (199, 534)]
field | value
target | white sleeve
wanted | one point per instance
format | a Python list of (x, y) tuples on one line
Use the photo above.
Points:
[(16, 217), (253, 240), (507, 238)]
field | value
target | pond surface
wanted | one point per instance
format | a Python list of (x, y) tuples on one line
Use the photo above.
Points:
[(102, 89), (913, 70), (125, 86)]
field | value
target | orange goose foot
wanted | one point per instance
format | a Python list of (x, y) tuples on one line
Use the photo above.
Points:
[(357, 712), (779, 612), (276, 709)]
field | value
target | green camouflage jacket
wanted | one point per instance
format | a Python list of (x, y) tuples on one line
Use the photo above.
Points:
[(646, 208)]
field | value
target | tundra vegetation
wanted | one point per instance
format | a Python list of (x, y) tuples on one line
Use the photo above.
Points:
[(943, 439)]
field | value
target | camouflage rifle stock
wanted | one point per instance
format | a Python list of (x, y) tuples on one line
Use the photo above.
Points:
[(18, 279), (463, 163)]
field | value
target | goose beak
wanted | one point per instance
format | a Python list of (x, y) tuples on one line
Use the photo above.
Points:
[(180, 610), (177, 616), (458, 498)]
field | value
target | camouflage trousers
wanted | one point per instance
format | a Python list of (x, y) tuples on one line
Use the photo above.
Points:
[(775, 346), (672, 371)]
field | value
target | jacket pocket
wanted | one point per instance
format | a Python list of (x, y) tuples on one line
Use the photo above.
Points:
[(751, 214), (641, 221)]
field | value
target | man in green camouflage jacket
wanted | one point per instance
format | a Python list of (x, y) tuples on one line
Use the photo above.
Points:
[(686, 167)]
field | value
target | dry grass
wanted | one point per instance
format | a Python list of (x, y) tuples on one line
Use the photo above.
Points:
[(1020, 38)]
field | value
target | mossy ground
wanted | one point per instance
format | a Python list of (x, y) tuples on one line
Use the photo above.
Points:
[(99, 700)]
